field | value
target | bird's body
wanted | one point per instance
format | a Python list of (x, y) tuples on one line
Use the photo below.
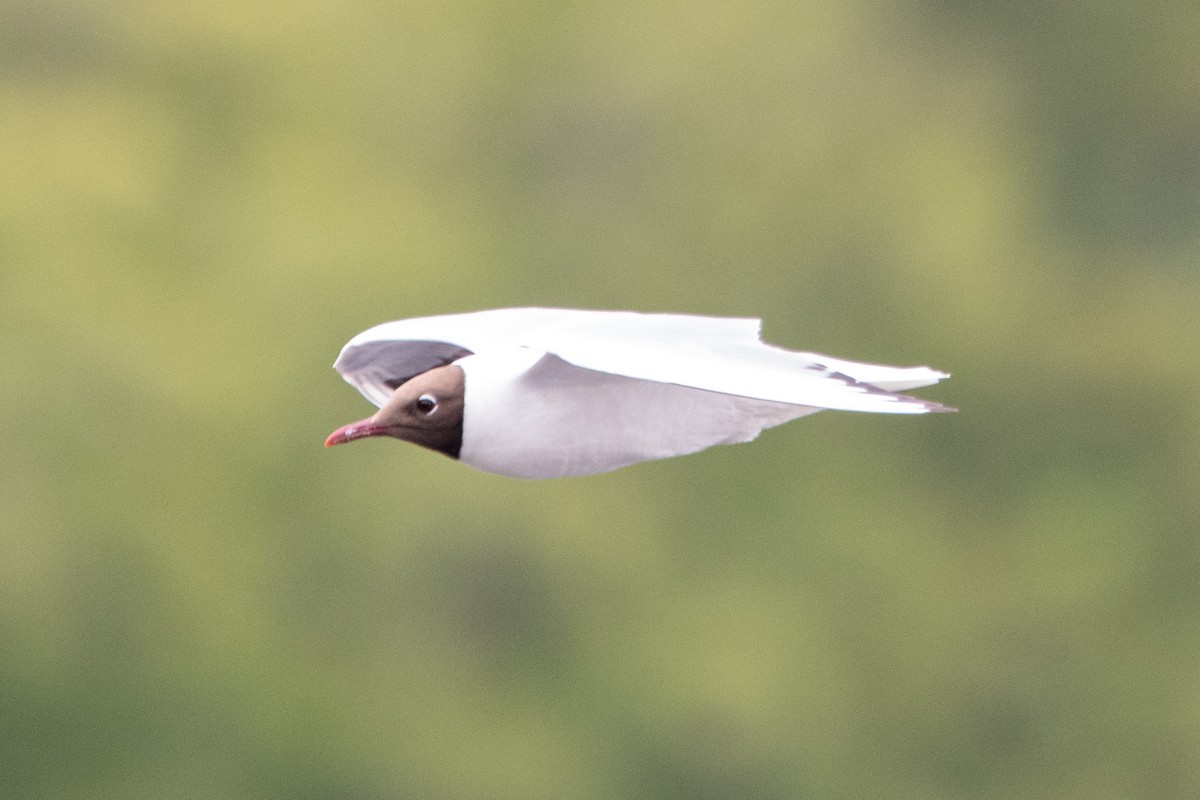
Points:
[(542, 393)]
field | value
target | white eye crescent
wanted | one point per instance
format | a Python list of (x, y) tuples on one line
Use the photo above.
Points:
[(427, 404)]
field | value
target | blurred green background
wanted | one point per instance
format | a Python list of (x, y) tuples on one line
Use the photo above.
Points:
[(200, 203)]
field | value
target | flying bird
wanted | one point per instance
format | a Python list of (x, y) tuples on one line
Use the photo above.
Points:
[(550, 392)]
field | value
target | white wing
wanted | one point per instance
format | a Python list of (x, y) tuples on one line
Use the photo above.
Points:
[(713, 353), (727, 356)]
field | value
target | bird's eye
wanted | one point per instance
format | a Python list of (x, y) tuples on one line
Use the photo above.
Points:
[(426, 403)]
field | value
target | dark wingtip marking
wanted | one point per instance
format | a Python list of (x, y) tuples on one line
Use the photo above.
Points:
[(870, 388)]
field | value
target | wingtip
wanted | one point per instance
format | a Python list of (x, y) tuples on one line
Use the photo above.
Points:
[(907, 404)]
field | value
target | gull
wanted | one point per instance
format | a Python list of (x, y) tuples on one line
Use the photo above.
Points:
[(554, 392)]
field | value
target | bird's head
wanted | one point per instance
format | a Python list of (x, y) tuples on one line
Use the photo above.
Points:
[(426, 410)]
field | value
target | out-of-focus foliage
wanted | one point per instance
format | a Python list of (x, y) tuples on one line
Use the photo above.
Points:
[(201, 202)]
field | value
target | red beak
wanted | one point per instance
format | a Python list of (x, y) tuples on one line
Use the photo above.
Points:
[(355, 430)]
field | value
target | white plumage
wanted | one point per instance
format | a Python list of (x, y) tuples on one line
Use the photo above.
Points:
[(556, 392)]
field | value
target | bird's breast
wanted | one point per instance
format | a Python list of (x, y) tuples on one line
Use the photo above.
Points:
[(530, 414)]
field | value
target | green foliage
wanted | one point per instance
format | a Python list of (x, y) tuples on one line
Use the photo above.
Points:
[(201, 203)]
